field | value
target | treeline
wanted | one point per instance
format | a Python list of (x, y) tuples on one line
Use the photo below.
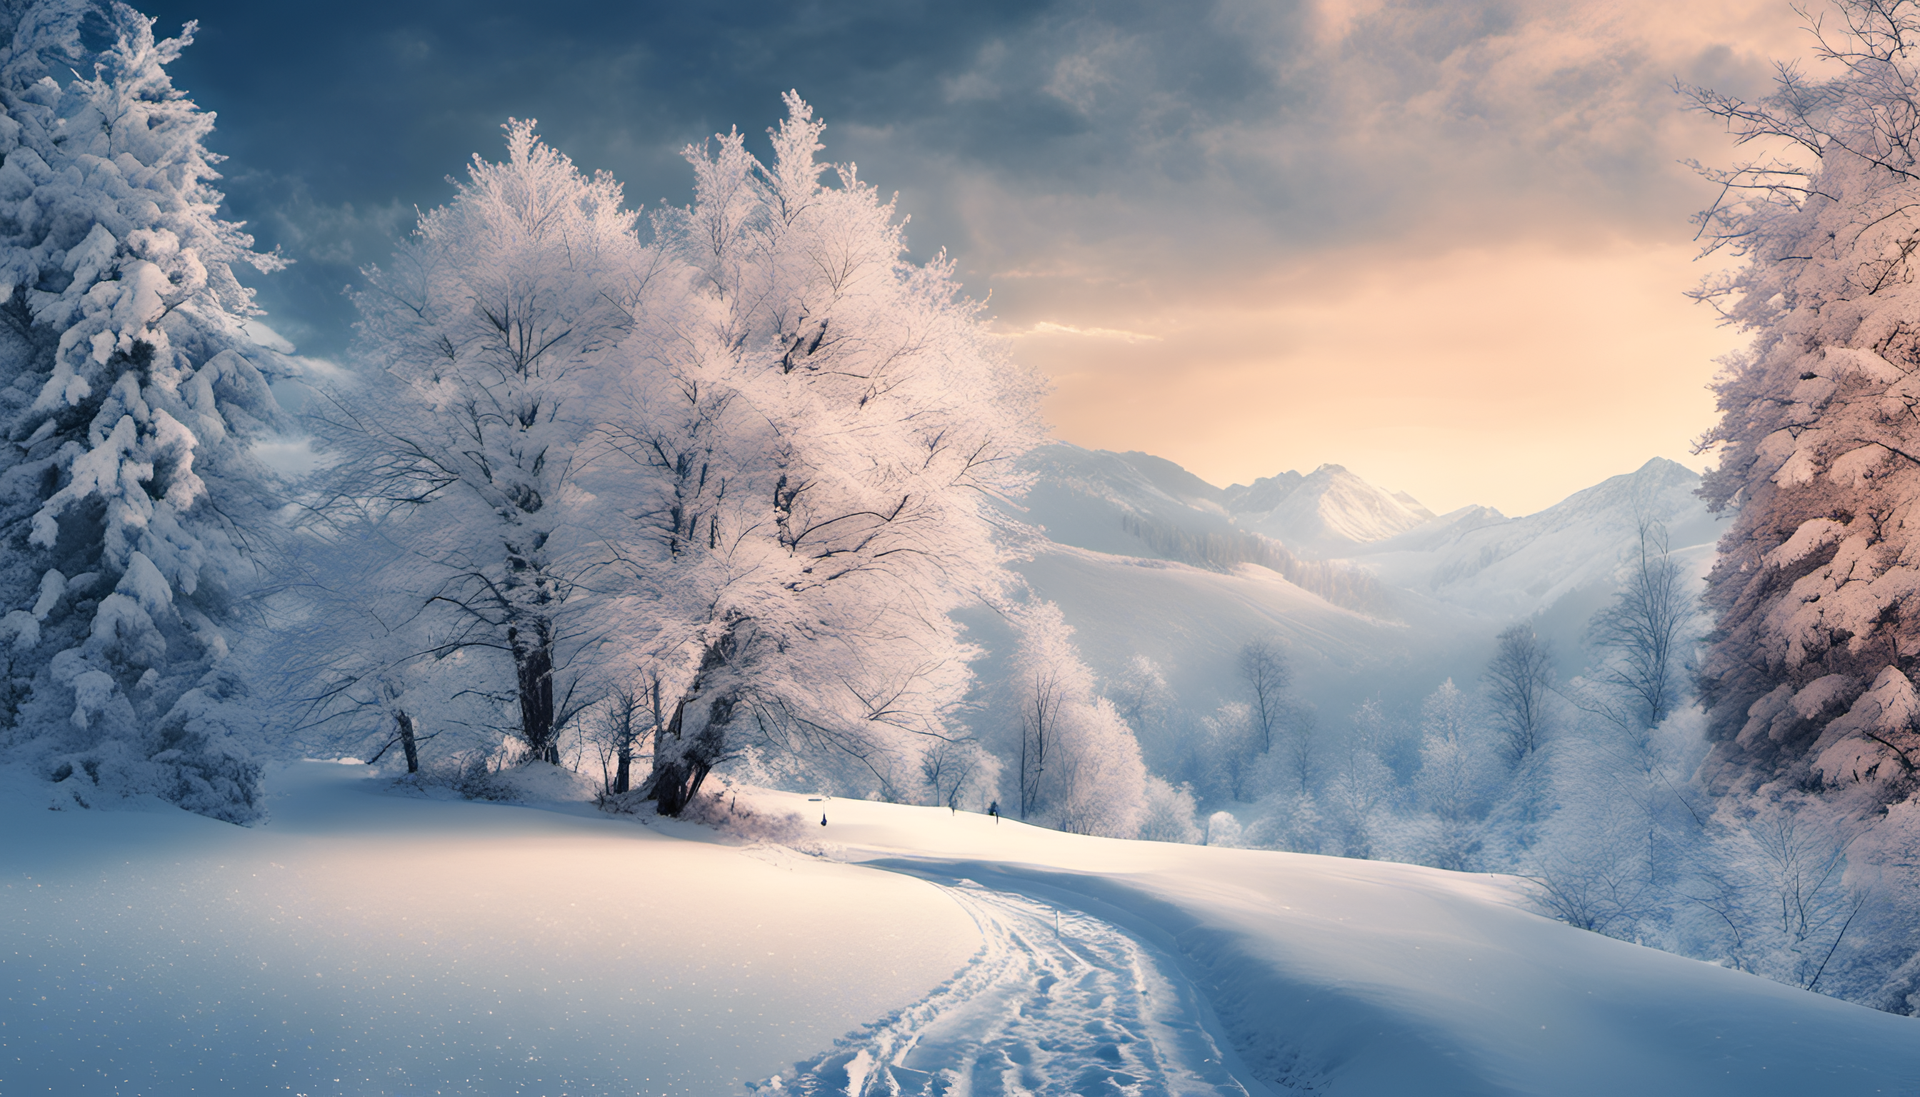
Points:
[(1343, 586)]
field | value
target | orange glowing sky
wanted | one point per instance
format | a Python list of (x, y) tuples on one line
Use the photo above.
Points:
[(1526, 336)]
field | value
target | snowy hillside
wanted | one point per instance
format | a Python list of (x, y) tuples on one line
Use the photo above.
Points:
[(368, 941), (1329, 512), (1523, 565), (1443, 585)]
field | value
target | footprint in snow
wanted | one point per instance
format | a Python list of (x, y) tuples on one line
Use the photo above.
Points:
[(1084, 1011)]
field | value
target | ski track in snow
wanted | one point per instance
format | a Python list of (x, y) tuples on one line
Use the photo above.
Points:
[(1086, 1010)]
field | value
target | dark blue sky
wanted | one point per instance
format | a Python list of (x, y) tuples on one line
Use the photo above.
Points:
[(1245, 234)]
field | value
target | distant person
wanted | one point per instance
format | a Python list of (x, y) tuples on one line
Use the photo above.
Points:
[(993, 809)]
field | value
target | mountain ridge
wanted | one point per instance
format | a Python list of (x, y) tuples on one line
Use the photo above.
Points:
[(1390, 618)]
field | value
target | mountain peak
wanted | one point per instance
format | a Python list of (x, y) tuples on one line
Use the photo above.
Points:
[(1330, 510)]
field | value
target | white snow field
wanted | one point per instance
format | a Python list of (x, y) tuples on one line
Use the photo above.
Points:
[(366, 940)]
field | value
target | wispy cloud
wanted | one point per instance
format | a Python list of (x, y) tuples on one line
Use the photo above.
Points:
[(1048, 327)]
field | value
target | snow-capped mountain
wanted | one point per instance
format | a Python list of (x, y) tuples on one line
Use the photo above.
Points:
[(1522, 565), (1372, 595), (1328, 512)]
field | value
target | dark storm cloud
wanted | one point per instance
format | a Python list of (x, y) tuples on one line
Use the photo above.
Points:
[(339, 119)]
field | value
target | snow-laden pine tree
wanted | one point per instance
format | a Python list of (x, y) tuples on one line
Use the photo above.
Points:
[(489, 343), (130, 499), (820, 427), (1809, 679)]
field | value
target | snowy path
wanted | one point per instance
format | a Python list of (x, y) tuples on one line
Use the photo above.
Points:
[(1084, 1009)]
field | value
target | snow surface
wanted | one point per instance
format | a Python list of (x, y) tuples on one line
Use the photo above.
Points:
[(1360, 977), (366, 941), (371, 940)]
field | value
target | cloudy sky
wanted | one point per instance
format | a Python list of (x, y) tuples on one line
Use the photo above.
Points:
[(1442, 243)]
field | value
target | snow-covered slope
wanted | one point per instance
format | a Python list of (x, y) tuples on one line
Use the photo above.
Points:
[(1079, 496), (1331, 512), (1361, 977), (364, 941), (1444, 586), (1519, 565)]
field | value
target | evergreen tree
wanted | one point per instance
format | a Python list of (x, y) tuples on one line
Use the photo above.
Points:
[(131, 505), (1809, 678)]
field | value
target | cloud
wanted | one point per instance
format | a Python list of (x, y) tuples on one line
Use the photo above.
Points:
[(1241, 178), (1507, 375), (1048, 327)]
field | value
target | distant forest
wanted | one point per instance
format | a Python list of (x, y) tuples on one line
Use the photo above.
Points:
[(1342, 585)]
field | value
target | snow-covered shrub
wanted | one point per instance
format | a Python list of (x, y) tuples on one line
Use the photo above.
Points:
[(738, 814), (131, 501), (1222, 829), (1287, 819), (1169, 814)]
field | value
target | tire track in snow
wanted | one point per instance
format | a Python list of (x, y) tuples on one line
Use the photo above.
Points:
[(1084, 1010)]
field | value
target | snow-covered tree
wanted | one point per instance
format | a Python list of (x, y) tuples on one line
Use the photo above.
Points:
[(1142, 696), (1263, 667), (1519, 683), (1642, 635), (819, 435), (1230, 739), (1808, 681), (959, 771), (355, 662), (488, 343), (131, 504), (1358, 798), (1300, 756), (1459, 775), (1079, 766), (623, 728)]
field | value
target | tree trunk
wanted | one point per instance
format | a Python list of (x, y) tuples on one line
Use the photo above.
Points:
[(533, 667), (407, 742), (682, 758), (625, 763)]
